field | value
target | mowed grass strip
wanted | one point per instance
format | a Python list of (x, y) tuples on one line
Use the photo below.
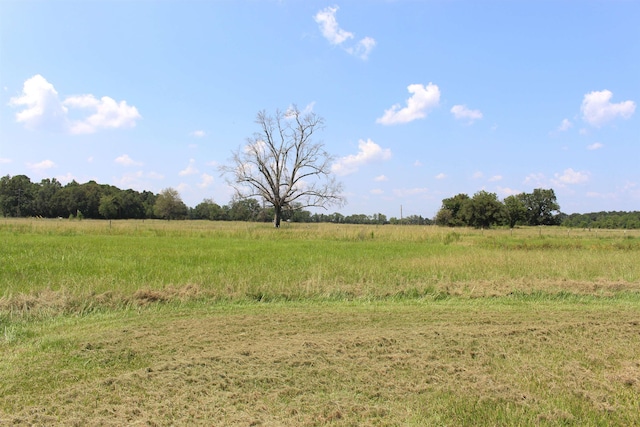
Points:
[(519, 360)]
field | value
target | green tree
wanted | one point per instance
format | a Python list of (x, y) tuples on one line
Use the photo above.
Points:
[(542, 207), (109, 207), (515, 210), (282, 164), (483, 210), (208, 209), (245, 210), (169, 205), (449, 213), (45, 198), (17, 196)]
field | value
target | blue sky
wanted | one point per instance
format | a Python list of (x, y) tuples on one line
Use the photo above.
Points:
[(422, 99)]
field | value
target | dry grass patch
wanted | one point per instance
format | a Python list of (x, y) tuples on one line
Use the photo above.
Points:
[(438, 363)]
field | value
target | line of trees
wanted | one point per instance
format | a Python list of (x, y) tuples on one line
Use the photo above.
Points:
[(485, 210), (19, 197), (613, 219)]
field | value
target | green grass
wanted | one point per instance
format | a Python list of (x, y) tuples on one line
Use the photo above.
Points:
[(72, 262), (201, 323)]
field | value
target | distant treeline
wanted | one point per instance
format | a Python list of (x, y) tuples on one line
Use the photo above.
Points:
[(624, 220), (19, 197)]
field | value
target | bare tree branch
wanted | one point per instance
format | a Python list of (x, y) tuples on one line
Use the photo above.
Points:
[(283, 165)]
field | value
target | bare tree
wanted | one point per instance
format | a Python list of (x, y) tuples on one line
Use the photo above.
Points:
[(283, 165)]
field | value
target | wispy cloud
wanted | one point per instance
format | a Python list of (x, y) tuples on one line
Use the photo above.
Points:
[(190, 169), (43, 110), (421, 102), (598, 110), (535, 179), (368, 151), (594, 146), (198, 133), (440, 176), (206, 180), (41, 166), (125, 160), (137, 180), (506, 191), (565, 125), (570, 177), (461, 112), (380, 178), (326, 19)]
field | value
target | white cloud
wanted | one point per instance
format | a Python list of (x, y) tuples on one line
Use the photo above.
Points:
[(183, 187), (198, 133), (506, 191), (190, 169), (66, 178), (495, 178), (368, 151), (207, 180), (477, 175), (329, 27), (461, 112), (137, 180), (108, 114), (326, 19), (629, 191), (125, 160), (44, 110), (417, 163), (440, 176), (376, 191), (569, 177), (41, 166), (565, 125), (3, 160), (598, 110), (362, 48), (418, 105), (594, 146), (381, 178)]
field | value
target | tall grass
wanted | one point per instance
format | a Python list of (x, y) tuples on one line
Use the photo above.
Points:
[(74, 262)]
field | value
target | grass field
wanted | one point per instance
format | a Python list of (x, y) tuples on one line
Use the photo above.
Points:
[(201, 323)]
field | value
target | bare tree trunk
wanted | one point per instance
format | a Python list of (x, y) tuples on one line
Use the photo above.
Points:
[(277, 216)]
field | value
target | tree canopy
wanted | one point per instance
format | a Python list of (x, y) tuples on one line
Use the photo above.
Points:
[(484, 210)]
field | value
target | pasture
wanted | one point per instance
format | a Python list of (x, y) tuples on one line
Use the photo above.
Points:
[(212, 323)]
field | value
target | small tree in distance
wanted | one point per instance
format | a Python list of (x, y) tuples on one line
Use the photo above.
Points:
[(283, 165), (169, 205)]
